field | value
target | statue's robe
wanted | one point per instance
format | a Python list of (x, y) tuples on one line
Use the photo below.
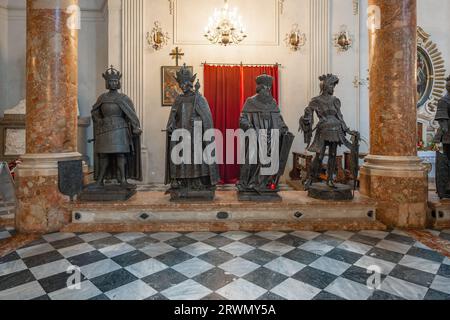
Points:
[(443, 113), (259, 115), (113, 129), (185, 111)]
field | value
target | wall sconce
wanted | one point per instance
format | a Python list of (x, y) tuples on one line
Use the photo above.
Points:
[(157, 39), (295, 39), (343, 41)]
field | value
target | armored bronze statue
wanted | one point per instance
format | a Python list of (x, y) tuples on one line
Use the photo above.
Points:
[(443, 136), (117, 143), (262, 115), (330, 133), (190, 180)]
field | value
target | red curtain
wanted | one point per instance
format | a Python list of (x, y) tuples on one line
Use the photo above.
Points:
[(227, 88)]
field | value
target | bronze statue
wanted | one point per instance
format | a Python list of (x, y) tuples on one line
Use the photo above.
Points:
[(443, 136), (330, 133), (117, 144), (190, 179), (262, 115)]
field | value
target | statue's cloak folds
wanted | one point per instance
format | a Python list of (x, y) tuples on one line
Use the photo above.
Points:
[(134, 163)]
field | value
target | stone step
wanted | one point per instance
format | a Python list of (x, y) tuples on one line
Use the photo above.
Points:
[(153, 211)]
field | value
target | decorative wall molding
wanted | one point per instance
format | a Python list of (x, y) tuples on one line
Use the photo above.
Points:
[(355, 7), (133, 43), (171, 6), (281, 4), (320, 42), (86, 15), (274, 25), (427, 111)]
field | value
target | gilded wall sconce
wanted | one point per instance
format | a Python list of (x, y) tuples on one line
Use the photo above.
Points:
[(295, 39), (343, 41), (157, 39)]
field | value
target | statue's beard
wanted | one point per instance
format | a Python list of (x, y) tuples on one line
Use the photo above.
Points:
[(264, 96)]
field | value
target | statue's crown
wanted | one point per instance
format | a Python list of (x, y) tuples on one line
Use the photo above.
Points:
[(265, 79), (329, 79), (112, 74), (185, 75)]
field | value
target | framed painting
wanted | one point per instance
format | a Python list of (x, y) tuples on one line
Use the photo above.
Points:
[(170, 89)]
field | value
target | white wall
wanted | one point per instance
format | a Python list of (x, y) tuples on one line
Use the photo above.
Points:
[(3, 56), (293, 74)]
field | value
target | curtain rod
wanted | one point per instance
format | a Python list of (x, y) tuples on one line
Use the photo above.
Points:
[(242, 64)]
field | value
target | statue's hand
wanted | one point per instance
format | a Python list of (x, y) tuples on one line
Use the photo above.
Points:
[(137, 132), (444, 126)]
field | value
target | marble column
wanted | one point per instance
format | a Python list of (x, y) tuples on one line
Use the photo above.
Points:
[(393, 174), (51, 119)]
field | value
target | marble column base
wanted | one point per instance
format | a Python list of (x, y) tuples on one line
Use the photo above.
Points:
[(400, 186), (41, 207)]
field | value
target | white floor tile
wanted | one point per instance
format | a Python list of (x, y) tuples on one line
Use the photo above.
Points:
[(295, 290), (241, 290), (146, 268), (193, 267), (188, 290), (137, 290), (285, 266)]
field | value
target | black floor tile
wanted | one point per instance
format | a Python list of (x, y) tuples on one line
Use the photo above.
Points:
[(302, 256), (216, 257), (421, 278), (105, 242), (43, 259), (365, 239), (214, 279), (255, 241), (270, 296), (436, 295), (87, 258), (292, 241), (113, 280), (181, 242), (323, 295), (426, 254), (16, 279), (381, 295), (9, 258), (65, 243), (164, 279), (57, 282), (444, 271), (315, 278), (130, 258), (265, 278), (344, 256), (143, 242), (218, 241), (100, 298), (259, 257), (359, 275), (328, 240), (174, 257), (385, 255), (401, 239)]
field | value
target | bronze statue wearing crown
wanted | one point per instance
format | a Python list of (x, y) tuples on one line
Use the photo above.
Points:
[(330, 133), (190, 180), (262, 115), (117, 143)]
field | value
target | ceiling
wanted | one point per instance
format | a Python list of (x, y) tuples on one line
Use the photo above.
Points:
[(84, 4)]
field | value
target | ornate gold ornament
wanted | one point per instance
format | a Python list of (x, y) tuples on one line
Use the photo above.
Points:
[(343, 41), (295, 39), (157, 39)]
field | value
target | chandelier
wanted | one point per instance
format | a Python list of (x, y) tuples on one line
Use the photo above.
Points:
[(225, 27)]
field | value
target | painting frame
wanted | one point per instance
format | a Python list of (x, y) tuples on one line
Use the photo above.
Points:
[(169, 84)]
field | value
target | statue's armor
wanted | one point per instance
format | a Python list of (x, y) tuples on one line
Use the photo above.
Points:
[(329, 124), (443, 113), (112, 135)]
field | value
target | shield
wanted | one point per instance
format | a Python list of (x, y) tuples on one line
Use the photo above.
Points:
[(70, 178), (287, 141), (354, 159), (442, 175), (7, 190)]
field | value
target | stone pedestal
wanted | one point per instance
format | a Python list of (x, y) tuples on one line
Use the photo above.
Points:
[(393, 174), (51, 120)]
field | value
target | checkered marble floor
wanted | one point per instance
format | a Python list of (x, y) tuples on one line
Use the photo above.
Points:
[(232, 265), (6, 233), (443, 234)]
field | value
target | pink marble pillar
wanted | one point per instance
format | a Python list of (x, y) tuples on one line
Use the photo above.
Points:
[(393, 174), (51, 119)]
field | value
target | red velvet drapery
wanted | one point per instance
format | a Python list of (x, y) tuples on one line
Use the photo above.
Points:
[(226, 89)]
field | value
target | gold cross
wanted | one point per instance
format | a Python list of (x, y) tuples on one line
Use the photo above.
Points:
[(177, 54)]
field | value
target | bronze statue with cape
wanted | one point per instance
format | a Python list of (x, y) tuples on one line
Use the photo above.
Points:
[(190, 180), (117, 143)]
